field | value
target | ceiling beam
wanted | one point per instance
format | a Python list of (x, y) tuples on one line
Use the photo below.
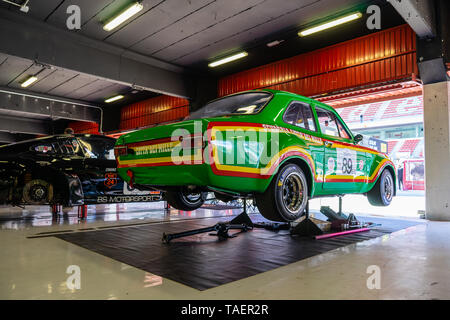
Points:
[(434, 53), (18, 103), (24, 125), (419, 14), (41, 42)]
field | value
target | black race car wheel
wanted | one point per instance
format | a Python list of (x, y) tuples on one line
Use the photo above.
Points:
[(286, 197), (185, 201), (37, 192), (383, 191)]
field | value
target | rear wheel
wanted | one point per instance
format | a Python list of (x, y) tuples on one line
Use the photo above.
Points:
[(184, 200), (383, 191), (286, 197)]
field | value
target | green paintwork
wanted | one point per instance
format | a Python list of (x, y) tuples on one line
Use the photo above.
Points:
[(163, 174)]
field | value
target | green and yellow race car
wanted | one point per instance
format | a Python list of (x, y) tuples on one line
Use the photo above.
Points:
[(277, 147)]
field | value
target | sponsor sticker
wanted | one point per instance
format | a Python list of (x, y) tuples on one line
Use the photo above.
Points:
[(43, 149), (361, 165), (331, 163), (110, 179), (124, 199)]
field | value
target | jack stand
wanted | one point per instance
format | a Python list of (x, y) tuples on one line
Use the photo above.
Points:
[(308, 226), (243, 217), (241, 222)]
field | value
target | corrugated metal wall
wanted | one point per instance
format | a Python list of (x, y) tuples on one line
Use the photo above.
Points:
[(153, 111), (84, 127), (379, 57), (376, 58)]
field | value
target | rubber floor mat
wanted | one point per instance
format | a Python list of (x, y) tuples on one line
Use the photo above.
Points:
[(202, 261)]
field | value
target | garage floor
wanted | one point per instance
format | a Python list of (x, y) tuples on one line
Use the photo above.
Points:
[(410, 261)]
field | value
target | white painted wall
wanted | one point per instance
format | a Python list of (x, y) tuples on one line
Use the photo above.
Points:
[(437, 150)]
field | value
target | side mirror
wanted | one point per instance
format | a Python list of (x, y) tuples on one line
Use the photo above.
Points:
[(358, 138)]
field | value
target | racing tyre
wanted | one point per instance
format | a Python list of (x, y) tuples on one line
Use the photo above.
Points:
[(185, 201), (286, 197), (383, 191)]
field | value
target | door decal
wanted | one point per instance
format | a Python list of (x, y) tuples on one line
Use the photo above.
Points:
[(330, 165), (361, 165), (110, 179)]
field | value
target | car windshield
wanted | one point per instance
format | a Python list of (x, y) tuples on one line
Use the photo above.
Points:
[(244, 103)]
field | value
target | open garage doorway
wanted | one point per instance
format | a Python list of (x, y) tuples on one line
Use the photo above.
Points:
[(394, 127)]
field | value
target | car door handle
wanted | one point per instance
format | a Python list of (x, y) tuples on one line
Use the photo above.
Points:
[(328, 144)]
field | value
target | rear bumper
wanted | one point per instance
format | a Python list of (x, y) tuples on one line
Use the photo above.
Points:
[(169, 175)]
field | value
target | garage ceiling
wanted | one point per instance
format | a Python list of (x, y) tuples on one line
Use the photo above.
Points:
[(181, 36), (59, 82), (186, 32)]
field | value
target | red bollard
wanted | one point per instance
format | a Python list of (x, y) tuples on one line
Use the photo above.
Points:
[(55, 208), (82, 211)]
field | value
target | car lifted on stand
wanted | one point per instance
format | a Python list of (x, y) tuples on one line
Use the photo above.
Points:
[(315, 155), (67, 170)]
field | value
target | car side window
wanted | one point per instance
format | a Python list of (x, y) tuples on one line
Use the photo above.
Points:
[(343, 133), (308, 117), (330, 124), (291, 114), (327, 122), (300, 114)]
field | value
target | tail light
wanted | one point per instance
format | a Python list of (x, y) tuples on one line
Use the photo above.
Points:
[(120, 151), (131, 175)]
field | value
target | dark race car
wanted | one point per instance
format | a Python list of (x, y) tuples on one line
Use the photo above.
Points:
[(68, 170)]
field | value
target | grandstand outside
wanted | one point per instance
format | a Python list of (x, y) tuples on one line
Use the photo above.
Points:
[(399, 122)]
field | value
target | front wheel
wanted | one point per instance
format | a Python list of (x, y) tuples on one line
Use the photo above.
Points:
[(186, 201), (383, 191), (286, 197)]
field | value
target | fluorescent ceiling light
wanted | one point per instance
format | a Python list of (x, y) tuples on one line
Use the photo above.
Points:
[(228, 59), (123, 16), (115, 98), (274, 43), (330, 24), (29, 81)]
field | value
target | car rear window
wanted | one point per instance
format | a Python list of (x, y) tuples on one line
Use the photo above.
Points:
[(243, 103)]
